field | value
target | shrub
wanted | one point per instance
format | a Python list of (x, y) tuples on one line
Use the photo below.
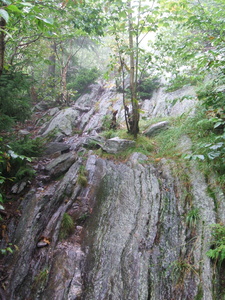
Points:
[(14, 98), (12, 167), (106, 122), (212, 95), (146, 87), (181, 80), (25, 171), (28, 147), (82, 80), (49, 90), (217, 251)]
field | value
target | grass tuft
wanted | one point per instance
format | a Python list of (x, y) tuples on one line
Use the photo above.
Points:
[(67, 226)]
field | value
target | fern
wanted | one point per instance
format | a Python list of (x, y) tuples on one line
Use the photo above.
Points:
[(217, 251)]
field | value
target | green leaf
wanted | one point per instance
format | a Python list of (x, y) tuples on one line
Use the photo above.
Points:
[(6, 33), (26, 4), (194, 157), (15, 155), (122, 14), (4, 14), (48, 21), (198, 156), (14, 8), (211, 253), (6, 2), (218, 124), (216, 146), (213, 155), (9, 249)]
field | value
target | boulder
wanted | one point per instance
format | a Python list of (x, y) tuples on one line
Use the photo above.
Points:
[(61, 164), (54, 147), (156, 128), (116, 144), (94, 142)]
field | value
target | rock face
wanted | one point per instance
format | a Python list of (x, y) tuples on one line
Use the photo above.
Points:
[(129, 233), (60, 165), (129, 238), (63, 122), (170, 104)]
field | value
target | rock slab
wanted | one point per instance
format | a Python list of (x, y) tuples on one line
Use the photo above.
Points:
[(115, 145)]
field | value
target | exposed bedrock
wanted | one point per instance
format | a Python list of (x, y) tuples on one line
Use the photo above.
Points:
[(129, 237), (100, 229)]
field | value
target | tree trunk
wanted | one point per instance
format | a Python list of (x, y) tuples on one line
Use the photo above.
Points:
[(63, 84), (123, 89), (52, 66), (134, 128), (2, 44)]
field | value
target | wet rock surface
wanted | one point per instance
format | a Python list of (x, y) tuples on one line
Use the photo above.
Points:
[(129, 233)]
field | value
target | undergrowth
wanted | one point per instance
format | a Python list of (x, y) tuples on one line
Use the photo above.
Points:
[(206, 143), (199, 138), (28, 146), (217, 251)]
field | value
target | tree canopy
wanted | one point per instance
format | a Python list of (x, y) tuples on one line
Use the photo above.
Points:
[(43, 39)]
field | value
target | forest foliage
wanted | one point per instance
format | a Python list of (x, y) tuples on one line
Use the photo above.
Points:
[(42, 44)]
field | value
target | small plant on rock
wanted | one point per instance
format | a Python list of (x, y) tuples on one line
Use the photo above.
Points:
[(181, 268), (106, 122), (67, 226), (41, 279), (192, 217), (82, 177), (9, 249)]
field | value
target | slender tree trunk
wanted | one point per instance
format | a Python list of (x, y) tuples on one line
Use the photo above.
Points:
[(64, 70), (2, 44), (135, 112), (63, 84), (52, 66), (124, 100), (64, 81)]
